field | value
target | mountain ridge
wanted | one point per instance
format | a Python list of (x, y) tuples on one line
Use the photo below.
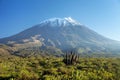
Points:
[(61, 33)]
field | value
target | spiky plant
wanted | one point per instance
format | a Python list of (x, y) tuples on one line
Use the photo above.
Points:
[(70, 58)]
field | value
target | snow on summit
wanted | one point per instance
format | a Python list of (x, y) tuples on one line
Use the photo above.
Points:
[(60, 21), (69, 19)]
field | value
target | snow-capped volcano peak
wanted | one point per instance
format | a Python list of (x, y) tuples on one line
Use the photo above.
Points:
[(69, 19), (60, 21), (60, 34)]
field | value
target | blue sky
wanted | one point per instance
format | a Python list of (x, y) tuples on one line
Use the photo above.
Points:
[(102, 16)]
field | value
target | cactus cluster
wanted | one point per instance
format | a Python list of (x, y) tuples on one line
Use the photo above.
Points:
[(70, 58)]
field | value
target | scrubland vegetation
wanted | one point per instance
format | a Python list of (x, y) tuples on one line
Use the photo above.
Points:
[(55, 68)]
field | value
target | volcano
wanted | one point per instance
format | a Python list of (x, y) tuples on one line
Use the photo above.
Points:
[(61, 33)]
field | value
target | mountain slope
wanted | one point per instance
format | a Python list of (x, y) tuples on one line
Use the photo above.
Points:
[(64, 34)]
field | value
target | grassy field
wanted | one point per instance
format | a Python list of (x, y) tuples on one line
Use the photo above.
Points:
[(53, 68)]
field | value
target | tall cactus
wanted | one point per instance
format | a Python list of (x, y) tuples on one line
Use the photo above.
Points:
[(70, 58)]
